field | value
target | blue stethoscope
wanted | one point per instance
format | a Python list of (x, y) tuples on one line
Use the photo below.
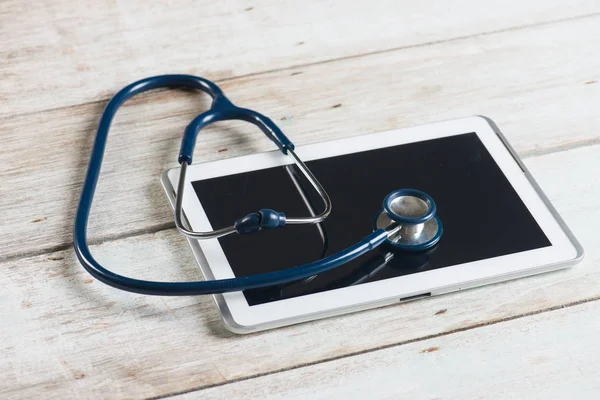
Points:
[(407, 220)]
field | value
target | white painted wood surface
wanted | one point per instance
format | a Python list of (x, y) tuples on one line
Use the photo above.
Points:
[(531, 66), (62, 53), (91, 334), (497, 75), (546, 356)]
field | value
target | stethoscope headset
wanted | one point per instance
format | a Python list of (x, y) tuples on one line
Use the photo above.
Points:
[(407, 220)]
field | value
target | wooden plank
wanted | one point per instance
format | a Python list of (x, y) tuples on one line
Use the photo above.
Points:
[(62, 53), (547, 356), (115, 344), (533, 87)]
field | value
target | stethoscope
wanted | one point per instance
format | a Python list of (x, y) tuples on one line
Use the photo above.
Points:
[(406, 222)]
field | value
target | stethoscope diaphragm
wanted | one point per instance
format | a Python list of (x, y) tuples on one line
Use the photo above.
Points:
[(414, 212)]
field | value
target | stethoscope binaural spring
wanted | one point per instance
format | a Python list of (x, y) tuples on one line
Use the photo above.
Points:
[(407, 220)]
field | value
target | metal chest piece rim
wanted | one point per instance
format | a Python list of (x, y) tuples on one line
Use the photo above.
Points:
[(415, 213)]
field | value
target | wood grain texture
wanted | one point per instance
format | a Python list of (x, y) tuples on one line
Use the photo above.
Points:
[(337, 69), (62, 53), (107, 343), (533, 87), (546, 356)]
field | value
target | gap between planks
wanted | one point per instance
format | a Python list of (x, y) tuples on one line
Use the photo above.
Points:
[(167, 225), (336, 59), (171, 225), (460, 98), (379, 348), (516, 360)]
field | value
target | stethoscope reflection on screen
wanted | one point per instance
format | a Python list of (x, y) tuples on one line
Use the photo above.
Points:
[(381, 265), (407, 221)]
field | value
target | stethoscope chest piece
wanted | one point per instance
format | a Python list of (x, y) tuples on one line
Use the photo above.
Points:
[(414, 212)]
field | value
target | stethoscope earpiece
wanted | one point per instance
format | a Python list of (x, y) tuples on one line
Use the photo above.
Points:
[(414, 214)]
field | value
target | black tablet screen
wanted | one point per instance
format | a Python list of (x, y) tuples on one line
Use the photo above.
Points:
[(483, 216)]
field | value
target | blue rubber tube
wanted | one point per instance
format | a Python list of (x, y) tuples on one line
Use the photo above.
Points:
[(222, 109)]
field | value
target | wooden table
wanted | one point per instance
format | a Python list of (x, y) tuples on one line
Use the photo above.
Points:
[(322, 70)]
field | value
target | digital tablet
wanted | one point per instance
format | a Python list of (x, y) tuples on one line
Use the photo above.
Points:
[(498, 225)]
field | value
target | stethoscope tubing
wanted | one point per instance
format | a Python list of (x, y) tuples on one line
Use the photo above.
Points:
[(221, 109)]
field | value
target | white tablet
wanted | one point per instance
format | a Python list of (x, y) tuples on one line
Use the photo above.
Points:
[(498, 225)]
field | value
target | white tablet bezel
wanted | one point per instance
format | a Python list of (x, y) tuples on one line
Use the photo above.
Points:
[(242, 318)]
